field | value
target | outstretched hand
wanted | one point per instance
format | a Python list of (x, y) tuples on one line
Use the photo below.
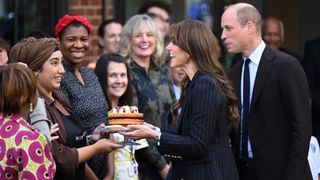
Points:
[(106, 145), (140, 132), (98, 133)]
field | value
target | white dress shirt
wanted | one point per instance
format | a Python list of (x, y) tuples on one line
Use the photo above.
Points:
[(255, 57)]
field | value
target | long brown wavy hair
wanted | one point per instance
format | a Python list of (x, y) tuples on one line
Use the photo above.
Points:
[(195, 38)]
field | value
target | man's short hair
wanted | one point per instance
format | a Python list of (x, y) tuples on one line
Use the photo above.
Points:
[(104, 24), (160, 4)]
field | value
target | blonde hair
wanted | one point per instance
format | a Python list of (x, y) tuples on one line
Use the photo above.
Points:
[(133, 25)]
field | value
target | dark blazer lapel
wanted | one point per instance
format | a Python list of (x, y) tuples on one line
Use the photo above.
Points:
[(265, 66), (185, 104), (178, 125)]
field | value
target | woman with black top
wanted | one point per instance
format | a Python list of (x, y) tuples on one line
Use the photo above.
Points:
[(200, 146)]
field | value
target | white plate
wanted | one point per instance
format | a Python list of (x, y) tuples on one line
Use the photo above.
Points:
[(117, 128)]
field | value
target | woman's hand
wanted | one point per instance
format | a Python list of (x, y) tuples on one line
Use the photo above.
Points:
[(164, 172), (106, 146), (149, 125), (140, 131), (54, 129), (98, 133)]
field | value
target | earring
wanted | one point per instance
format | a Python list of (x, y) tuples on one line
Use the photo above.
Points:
[(36, 73), (31, 107)]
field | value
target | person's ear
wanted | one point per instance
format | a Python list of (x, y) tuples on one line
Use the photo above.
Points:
[(251, 27), (188, 56), (36, 73), (101, 42)]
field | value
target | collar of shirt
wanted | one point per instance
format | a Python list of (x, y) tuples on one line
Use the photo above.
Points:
[(48, 101), (255, 56)]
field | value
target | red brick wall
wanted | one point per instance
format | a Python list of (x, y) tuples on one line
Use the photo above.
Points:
[(93, 10)]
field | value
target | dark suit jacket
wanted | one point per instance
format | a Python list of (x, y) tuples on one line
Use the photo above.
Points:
[(294, 54), (200, 146), (279, 122), (311, 63)]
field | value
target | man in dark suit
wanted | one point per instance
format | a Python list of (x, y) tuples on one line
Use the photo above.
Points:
[(311, 64), (273, 136)]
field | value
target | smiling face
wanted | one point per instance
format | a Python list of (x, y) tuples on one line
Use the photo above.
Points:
[(178, 57), (272, 33), (143, 42), (49, 78), (111, 39), (74, 44), (117, 80)]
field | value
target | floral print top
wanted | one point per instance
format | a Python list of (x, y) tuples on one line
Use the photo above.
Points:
[(153, 92), (24, 152)]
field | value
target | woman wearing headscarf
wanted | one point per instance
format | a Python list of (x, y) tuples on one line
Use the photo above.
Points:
[(70, 150)]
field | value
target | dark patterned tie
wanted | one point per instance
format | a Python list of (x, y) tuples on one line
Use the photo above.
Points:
[(245, 109)]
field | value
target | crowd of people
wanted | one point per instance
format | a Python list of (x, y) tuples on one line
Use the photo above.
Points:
[(257, 121)]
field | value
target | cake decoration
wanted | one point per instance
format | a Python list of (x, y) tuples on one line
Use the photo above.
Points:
[(125, 115)]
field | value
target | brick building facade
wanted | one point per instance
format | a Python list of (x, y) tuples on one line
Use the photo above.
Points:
[(93, 10)]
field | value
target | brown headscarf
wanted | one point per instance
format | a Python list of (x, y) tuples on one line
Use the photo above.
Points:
[(33, 52)]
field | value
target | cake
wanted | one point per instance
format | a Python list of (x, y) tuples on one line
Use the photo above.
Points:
[(125, 115)]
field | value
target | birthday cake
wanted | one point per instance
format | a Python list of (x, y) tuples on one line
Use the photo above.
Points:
[(125, 115)]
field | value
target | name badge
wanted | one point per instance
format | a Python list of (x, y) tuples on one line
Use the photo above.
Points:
[(133, 170)]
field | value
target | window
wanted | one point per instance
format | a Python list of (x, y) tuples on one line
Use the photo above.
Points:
[(18, 18)]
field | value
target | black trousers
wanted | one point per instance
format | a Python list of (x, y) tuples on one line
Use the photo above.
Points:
[(247, 170)]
